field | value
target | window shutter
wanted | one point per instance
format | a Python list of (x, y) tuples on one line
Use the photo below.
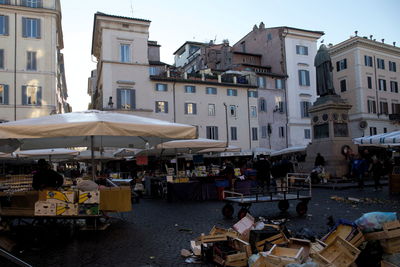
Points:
[(40, 3), (186, 108), (166, 107), (337, 66), (38, 27), (194, 108), (133, 99), (6, 23), (302, 109), (118, 98), (24, 33), (34, 65), (24, 95), (307, 78), (306, 50), (5, 101), (297, 49), (345, 63), (216, 133), (365, 61), (23, 3), (300, 80), (39, 96), (155, 107)]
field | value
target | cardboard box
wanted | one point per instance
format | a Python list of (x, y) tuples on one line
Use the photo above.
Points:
[(45, 208), (67, 209), (117, 199), (88, 209), (243, 227), (89, 197), (57, 196)]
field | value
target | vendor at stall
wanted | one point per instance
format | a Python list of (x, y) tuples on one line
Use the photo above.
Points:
[(45, 177)]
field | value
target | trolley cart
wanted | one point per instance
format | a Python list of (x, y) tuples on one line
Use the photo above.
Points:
[(295, 186)]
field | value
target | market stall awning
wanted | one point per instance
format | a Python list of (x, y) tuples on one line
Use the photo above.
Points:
[(126, 152), (230, 148), (53, 153), (87, 155), (289, 150), (392, 138)]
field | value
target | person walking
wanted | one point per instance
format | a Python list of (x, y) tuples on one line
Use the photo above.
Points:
[(376, 170), (358, 169), (319, 160), (263, 168)]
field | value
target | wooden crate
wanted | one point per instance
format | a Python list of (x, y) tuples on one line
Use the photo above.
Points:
[(300, 243), (281, 255), (357, 238), (387, 264), (390, 230), (317, 246), (279, 239), (339, 253), (242, 246), (391, 245), (220, 231), (212, 238)]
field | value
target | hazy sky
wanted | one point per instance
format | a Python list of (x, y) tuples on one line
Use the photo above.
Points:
[(175, 21)]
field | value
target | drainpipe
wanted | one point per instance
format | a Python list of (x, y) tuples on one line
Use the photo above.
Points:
[(376, 88), (226, 124), (15, 66), (285, 71), (174, 99), (248, 116)]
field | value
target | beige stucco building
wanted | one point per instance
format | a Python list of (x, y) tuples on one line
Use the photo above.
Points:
[(366, 74), (32, 79), (130, 78)]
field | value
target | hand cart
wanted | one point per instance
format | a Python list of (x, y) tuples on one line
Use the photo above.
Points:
[(295, 186)]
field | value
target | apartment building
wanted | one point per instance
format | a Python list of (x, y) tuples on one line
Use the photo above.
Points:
[(366, 74), (32, 77), (130, 78), (289, 53)]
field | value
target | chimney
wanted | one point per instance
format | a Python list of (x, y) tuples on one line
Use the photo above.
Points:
[(383, 40)]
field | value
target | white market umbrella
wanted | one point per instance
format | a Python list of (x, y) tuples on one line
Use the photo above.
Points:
[(92, 128), (87, 155), (392, 138), (261, 150), (52, 153), (192, 144), (126, 152), (289, 150), (230, 148), (6, 155)]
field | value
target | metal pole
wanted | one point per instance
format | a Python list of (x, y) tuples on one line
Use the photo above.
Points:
[(13, 259), (15, 67), (92, 155), (226, 124)]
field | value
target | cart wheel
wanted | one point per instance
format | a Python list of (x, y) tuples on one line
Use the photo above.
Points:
[(283, 205), (242, 213), (301, 208), (227, 211)]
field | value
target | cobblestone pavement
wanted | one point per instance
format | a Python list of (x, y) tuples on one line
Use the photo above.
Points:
[(155, 231)]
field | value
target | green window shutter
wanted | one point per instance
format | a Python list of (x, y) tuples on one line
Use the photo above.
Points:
[(133, 99), (118, 98), (5, 100), (166, 107), (6, 23), (24, 95), (155, 107), (24, 33), (307, 78), (300, 79), (38, 27), (186, 108), (39, 96), (297, 49), (40, 3), (194, 108)]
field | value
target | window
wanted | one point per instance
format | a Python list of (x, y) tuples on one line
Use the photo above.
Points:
[(305, 105), (261, 81), (3, 25), (393, 86), (384, 107), (380, 63), (212, 132), (343, 87), (368, 61), (190, 89), (371, 106), (392, 66), (263, 105), (341, 64), (279, 84), (232, 110), (395, 108), (1, 58), (161, 87), (307, 134), (190, 108), (269, 37), (384, 130), (32, 3), (31, 95), (281, 107), (281, 132), (211, 90), (30, 28), (263, 131), (243, 46), (154, 71), (3, 94), (372, 131), (254, 134), (301, 50), (211, 109), (161, 107), (369, 82), (233, 133), (253, 111), (31, 61), (231, 92), (304, 78), (5, 2), (382, 84), (125, 53), (253, 94), (126, 99)]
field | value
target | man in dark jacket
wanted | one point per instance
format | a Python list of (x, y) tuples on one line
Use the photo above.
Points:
[(46, 177), (263, 168)]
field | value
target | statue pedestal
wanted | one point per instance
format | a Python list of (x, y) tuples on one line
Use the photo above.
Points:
[(331, 137)]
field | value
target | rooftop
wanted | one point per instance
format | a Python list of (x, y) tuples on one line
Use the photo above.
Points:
[(120, 17)]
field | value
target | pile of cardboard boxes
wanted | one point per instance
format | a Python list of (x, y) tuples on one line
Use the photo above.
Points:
[(67, 203), (260, 244)]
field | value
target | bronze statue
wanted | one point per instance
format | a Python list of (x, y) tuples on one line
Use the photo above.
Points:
[(323, 65)]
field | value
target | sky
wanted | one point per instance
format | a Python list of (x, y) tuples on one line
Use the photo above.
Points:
[(174, 22)]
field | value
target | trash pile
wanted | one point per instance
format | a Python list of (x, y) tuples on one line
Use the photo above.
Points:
[(371, 240)]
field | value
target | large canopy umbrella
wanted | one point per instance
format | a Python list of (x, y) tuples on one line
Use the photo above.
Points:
[(392, 138), (52, 153), (230, 148), (288, 150), (126, 152), (87, 155), (92, 128)]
